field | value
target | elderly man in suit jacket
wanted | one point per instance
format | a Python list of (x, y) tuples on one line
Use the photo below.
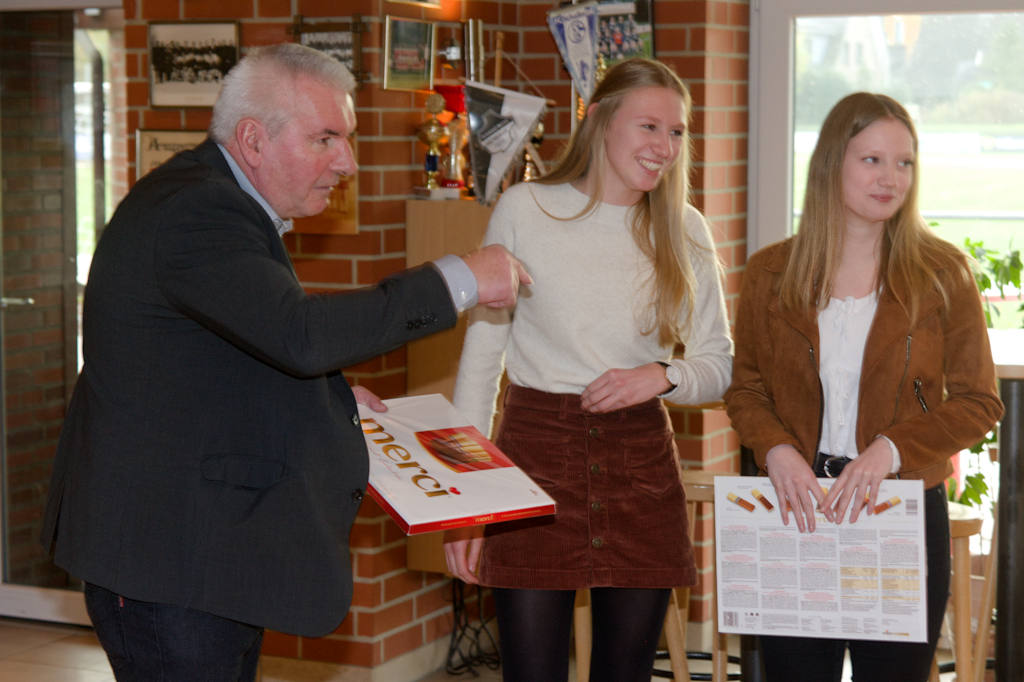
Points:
[(212, 463)]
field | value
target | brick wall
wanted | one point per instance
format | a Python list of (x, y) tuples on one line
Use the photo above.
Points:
[(396, 611), (38, 222)]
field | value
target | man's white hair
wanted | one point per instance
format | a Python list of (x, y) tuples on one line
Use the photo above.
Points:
[(260, 85)]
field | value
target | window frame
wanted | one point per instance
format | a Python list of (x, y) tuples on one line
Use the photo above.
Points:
[(772, 26)]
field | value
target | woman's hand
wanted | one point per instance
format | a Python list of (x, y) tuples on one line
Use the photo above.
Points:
[(462, 548), (618, 388), (860, 481), (796, 485)]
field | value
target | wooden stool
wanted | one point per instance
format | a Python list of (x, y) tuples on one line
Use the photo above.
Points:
[(700, 489), (963, 523)]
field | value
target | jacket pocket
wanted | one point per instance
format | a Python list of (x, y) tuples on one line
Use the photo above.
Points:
[(242, 471)]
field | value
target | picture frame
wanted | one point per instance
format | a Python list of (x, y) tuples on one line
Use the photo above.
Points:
[(153, 147), (409, 54), (188, 61), (342, 213), (624, 29), (343, 40)]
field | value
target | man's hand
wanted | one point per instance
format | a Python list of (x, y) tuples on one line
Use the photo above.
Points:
[(365, 396), (498, 275)]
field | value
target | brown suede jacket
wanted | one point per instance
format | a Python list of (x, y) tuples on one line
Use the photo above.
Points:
[(929, 387)]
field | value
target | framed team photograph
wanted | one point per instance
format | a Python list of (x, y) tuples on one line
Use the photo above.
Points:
[(340, 39), (188, 61), (409, 54), (624, 30)]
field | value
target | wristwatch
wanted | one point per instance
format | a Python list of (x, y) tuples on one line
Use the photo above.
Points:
[(674, 376)]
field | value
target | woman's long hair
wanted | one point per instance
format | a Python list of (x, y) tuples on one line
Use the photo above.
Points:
[(911, 256), (658, 218)]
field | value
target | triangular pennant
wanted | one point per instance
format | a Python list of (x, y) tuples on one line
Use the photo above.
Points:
[(500, 123), (575, 30)]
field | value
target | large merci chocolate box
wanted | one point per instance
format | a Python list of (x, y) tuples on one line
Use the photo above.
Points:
[(430, 470)]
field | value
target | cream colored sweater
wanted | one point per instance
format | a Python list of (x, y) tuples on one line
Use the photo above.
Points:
[(585, 310)]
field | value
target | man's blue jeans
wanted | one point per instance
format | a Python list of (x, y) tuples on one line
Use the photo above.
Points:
[(148, 642)]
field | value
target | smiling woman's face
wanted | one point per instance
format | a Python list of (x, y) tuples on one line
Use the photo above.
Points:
[(643, 140)]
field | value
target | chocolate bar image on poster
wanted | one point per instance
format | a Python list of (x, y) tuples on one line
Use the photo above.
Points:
[(500, 123)]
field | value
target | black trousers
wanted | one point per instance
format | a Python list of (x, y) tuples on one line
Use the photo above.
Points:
[(807, 659), (149, 642)]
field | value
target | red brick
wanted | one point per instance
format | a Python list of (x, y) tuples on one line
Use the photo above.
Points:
[(162, 119), (377, 564), (204, 9), (372, 271), (402, 585), (365, 535), (401, 122), (484, 10), (159, 11), (266, 33), (437, 599), (386, 152), (382, 620), (394, 240), (366, 595), (402, 642), (366, 242), (138, 94), (280, 644), (197, 118), (330, 650), (136, 36), (275, 8), (333, 270)]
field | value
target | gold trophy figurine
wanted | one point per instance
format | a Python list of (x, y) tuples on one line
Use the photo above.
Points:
[(431, 133)]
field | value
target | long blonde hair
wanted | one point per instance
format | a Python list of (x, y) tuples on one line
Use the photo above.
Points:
[(911, 256), (658, 218)]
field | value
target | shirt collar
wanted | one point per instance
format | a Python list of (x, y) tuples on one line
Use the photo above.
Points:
[(281, 224)]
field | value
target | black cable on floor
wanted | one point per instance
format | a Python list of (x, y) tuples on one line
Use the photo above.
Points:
[(471, 644)]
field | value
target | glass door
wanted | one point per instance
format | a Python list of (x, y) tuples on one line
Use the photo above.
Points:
[(53, 126)]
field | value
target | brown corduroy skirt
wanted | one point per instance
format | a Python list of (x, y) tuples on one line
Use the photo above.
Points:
[(621, 509)]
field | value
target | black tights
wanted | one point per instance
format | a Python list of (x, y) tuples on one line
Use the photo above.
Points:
[(535, 625)]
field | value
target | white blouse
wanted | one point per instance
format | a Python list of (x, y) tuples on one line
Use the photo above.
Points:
[(843, 328)]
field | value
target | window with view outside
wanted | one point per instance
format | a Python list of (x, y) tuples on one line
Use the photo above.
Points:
[(960, 77)]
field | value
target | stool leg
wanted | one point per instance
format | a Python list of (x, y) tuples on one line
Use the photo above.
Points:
[(987, 600), (675, 634), (583, 628), (962, 607)]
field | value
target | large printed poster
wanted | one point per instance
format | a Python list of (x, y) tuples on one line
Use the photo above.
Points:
[(864, 580)]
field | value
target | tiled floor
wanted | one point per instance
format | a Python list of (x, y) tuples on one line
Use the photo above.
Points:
[(34, 652)]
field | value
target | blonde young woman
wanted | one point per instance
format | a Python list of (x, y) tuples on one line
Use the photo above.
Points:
[(624, 269), (861, 354)]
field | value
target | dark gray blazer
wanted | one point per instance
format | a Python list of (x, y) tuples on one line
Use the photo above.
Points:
[(211, 456)]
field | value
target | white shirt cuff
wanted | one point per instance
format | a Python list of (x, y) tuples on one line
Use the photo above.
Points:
[(460, 280), (895, 455)]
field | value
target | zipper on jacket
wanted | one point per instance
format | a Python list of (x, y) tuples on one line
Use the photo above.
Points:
[(917, 392), (899, 388)]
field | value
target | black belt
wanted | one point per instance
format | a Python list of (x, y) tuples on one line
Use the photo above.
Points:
[(829, 466)]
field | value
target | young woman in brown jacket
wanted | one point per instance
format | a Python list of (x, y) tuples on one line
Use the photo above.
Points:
[(861, 354)]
